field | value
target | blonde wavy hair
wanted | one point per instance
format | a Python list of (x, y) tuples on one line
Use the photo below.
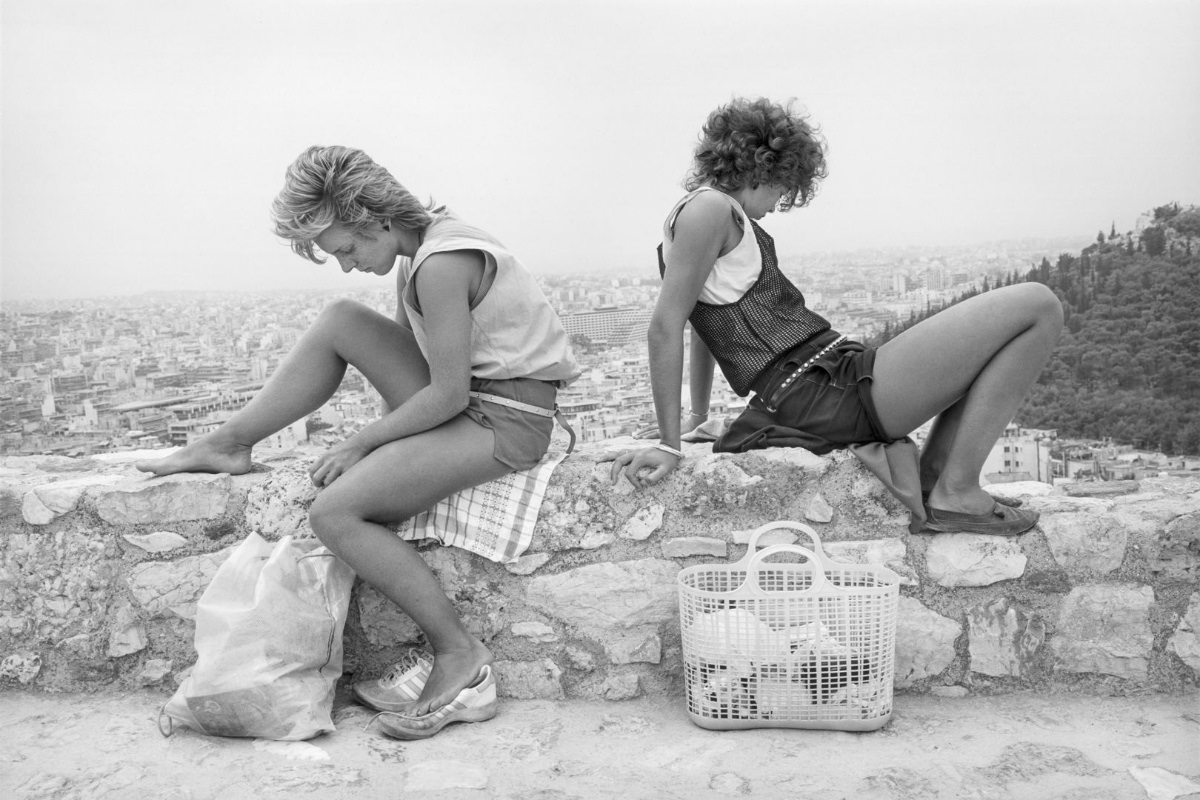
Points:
[(341, 184), (751, 142)]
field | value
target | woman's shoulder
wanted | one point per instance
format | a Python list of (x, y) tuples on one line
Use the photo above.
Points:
[(703, 207), (449, 232), (449, 225)]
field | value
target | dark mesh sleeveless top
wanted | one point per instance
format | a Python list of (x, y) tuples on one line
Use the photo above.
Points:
[(747, 336)]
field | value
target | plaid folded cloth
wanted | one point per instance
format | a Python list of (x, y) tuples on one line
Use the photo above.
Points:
[(494, 520)]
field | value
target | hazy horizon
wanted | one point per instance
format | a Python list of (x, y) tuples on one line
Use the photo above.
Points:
[(142, 142), (1050, 246)]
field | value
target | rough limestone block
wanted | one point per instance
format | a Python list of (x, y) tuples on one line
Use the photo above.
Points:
[(453, 567), (1142, 521), (1185, 642), (537, 631), (484, 613), (157, 542), (529, 680), (969, 559), (641, 646), (1162, 784), (1101, 488), (382, 621), (579, 659), (22, 667), (717, 468), (594, 540), (1061, 504), (1017, 489), (127, 634), (43, 505), (867, 496), (924, 642), (528, 564), (1105, 628), (1175, 553), (795, 457), (174, 498), (620, 687), (818, 509), (643, 523), (1163, 502), (1085, 543), (685, 546), (1004, 637), (600, 597), (153, 671), (174, 586), (279, 505), (888, 553)]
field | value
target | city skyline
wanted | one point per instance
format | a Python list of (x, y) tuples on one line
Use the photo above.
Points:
[(142, 143), (104, 377)]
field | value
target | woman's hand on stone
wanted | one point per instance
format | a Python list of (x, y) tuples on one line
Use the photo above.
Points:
[(334, 463), (643, 467)]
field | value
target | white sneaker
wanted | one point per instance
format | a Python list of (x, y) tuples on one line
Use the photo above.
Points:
[(399, 688)]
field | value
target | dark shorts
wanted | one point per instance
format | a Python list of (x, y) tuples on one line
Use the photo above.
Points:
[(828, 407), (521, 438)]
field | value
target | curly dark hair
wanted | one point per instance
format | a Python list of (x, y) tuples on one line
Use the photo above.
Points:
[(753, 142)]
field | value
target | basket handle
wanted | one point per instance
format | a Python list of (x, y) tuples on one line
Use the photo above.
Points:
[(752, 543), (815, 564)]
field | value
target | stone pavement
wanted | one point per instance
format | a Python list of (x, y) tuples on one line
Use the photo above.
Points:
[(1017, 746)]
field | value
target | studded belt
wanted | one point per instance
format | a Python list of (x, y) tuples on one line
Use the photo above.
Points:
[(777, 392)]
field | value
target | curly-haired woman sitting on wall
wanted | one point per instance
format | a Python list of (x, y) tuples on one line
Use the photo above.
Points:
[(969, 365)]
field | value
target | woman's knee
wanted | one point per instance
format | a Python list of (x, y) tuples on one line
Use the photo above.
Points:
[(1045, 306), (1034, 303), (328, 519), (342, 308)]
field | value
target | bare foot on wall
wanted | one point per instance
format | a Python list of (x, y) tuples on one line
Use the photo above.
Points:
[(204, 455)]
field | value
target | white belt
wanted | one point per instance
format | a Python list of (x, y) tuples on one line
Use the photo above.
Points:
[(530, 409)]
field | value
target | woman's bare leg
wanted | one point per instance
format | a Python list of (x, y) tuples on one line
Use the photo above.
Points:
[(978, 360), (346, 332), (392, 483), (395, 482), (937, 444)]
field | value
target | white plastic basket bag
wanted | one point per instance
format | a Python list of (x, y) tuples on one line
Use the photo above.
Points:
[(788, 637)]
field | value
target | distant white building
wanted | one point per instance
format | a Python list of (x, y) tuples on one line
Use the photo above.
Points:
[(1021, 454), (612, 325)]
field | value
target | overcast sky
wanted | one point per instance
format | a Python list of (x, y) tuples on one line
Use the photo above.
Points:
[(143, 140)]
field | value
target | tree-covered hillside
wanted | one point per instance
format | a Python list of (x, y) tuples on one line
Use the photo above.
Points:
[(1128, 364)]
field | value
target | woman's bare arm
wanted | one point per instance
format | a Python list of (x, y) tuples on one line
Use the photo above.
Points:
[(703, 230), (444, 283)]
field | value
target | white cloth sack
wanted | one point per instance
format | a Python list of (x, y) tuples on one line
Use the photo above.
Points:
[(268, 643)]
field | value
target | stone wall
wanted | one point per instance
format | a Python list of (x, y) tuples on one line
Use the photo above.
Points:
[(101, 568)]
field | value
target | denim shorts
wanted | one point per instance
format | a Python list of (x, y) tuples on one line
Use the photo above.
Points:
[(522, 438), (828, 407)]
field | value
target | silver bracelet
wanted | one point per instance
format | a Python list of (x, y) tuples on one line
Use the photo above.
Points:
[(697, 413), (666, 448)]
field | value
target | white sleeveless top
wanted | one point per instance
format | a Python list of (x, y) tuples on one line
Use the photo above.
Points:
[(514, 331), (735, 272)]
